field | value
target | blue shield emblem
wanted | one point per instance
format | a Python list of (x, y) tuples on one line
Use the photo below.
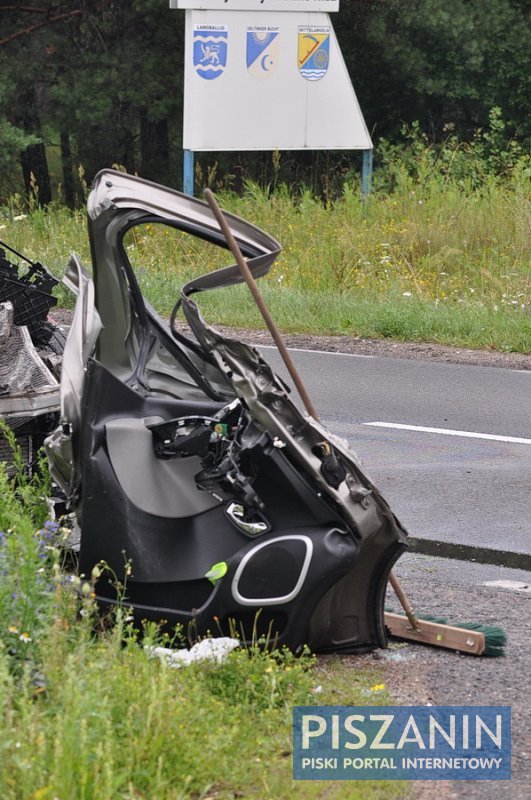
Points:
[(313, 52), (262, 51), (210, 50)]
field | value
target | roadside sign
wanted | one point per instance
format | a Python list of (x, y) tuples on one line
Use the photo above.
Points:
[(267, 81), (257, 79), (257, 5)]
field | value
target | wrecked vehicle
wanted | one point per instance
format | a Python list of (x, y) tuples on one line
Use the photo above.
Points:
[(194, 476), (30, 355)]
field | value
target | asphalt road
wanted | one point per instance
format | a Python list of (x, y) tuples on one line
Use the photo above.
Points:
[(465, 482), (459, 489), (417, 675)]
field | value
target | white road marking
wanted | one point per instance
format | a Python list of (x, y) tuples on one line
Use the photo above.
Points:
[(447, 432), (514, 586), (363, 355), (305, 350)]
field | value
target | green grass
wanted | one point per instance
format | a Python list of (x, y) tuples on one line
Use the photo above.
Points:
[(437, 260), (406, 319), (86, 714), (114, 723)]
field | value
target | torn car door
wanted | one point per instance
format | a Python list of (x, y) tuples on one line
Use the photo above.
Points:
[(197, 473)]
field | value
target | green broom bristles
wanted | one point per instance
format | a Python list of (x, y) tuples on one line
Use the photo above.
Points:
[(495, 637)]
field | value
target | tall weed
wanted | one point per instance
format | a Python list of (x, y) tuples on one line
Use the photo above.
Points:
[(27, 561)]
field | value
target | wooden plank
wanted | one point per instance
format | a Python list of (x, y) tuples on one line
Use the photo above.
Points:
[(436, 634)]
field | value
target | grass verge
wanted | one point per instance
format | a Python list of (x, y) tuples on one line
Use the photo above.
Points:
[(400, 318), (434, 260), (86, 714)]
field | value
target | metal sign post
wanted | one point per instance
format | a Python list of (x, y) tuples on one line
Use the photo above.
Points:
[(366, 173), (277, 66), (188, 171)]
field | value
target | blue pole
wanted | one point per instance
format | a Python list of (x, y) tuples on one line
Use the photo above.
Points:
[(366, 173), (188, 172)]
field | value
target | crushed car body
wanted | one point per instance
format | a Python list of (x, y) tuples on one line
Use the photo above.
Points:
[(30, 356), (211, 497)]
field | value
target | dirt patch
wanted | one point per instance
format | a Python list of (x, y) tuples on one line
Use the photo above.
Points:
[(357, 345), (420, 351)]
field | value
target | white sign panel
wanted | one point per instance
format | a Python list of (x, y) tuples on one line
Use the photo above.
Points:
[(258, 5), (267, 81)]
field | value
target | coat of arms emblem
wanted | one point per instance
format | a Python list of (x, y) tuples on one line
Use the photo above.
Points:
[(313, 52), (262, 51), (210, 50)]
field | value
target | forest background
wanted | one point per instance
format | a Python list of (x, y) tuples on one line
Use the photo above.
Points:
[(442, 250), (90, 83)]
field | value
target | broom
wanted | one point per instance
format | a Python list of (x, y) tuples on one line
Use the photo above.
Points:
[(471, 638)]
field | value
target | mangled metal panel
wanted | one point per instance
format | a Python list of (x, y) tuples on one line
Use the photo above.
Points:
[(30, 348), (27, 386), (185, 457), (29, 392)]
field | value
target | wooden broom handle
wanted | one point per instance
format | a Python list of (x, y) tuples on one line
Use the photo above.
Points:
[(288, 361), (251, 283)]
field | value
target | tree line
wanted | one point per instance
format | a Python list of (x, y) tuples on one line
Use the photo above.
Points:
[(102, 80)]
